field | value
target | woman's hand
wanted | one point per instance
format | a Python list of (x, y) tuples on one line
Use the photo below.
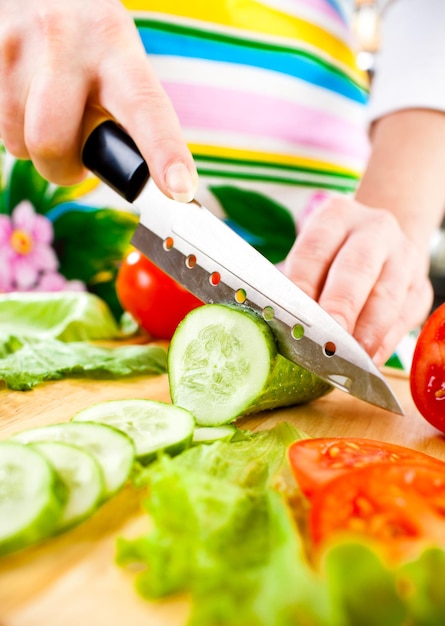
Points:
[(360, 266), (57, 59)]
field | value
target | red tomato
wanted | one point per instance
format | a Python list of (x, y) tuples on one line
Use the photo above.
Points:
[(427, 376), (156, 301), (401, 506), (315, 462)]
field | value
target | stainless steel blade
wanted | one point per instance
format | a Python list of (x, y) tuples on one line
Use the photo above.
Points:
[(202, 253)]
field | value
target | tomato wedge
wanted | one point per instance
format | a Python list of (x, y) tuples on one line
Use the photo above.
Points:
[(317, 461), (400, 506), (427, 375)]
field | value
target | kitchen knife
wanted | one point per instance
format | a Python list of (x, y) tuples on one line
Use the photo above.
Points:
[(205, 255)]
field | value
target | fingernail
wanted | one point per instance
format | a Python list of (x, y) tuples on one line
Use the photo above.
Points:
[(180, 182)]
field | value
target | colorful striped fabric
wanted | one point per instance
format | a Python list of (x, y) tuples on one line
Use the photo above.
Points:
[(268, 95)]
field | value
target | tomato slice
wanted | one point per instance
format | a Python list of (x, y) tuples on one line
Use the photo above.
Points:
[(427, 375), (400, 506), (317, 461)]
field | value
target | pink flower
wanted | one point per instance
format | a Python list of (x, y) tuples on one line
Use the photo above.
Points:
[(53, 281), (27, 259), (25, 248), (5, 270)]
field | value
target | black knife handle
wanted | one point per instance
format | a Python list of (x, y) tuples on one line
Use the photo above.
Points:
[(111, 154)]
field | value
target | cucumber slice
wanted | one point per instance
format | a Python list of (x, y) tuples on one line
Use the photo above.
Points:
[(209, 434), (31, 499), (153, 426), (82, 476), (113, 450), (223, 363), (219, 360)]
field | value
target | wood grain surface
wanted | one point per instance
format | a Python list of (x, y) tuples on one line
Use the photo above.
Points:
[(72, 580)]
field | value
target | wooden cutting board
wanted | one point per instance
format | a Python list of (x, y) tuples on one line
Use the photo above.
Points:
[(72, 579)]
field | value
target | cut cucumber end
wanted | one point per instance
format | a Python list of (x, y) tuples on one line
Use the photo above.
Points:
[(210, 434), (219, 361), (113, 450), (289, 384), (152, 425), (31, 500)]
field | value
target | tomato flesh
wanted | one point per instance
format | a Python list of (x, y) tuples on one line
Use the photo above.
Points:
[(154, 299), (317, 461), (427, 375), (401, 506)]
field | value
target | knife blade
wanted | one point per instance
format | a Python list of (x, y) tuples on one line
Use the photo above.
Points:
[(207, 257)]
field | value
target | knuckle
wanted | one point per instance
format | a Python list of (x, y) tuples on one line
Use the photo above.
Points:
[(311, 244), (42, 148), (329, 211), (359, 263), (412, 257), (385, 221), (146, 96), (386, 291), (51, 22), (108, 20), (335, 205), (10, 48), (43, 143)]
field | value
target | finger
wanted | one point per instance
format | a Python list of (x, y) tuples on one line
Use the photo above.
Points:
[(361, 279), (315, 248), (13, 81), (141, 105), (53, 118), (414, 312), (358, 267), (386, 300)]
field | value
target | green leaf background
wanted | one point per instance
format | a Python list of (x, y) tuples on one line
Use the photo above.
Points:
[(266, 225), (90, 244)]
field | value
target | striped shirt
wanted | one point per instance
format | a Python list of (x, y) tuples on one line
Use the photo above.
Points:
[(270, 101)]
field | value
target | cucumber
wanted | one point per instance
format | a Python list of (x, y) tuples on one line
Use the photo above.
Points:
[(223, 363), (113, 450), (218, 362), (82, 476), (31, 497), (209, 434), (152, 425), (289, 384)]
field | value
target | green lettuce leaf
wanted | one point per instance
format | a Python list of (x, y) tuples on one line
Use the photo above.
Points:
[(68, 316), (25, 362), (363, 590), (222, 533), (224, 536), (421, 584)]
